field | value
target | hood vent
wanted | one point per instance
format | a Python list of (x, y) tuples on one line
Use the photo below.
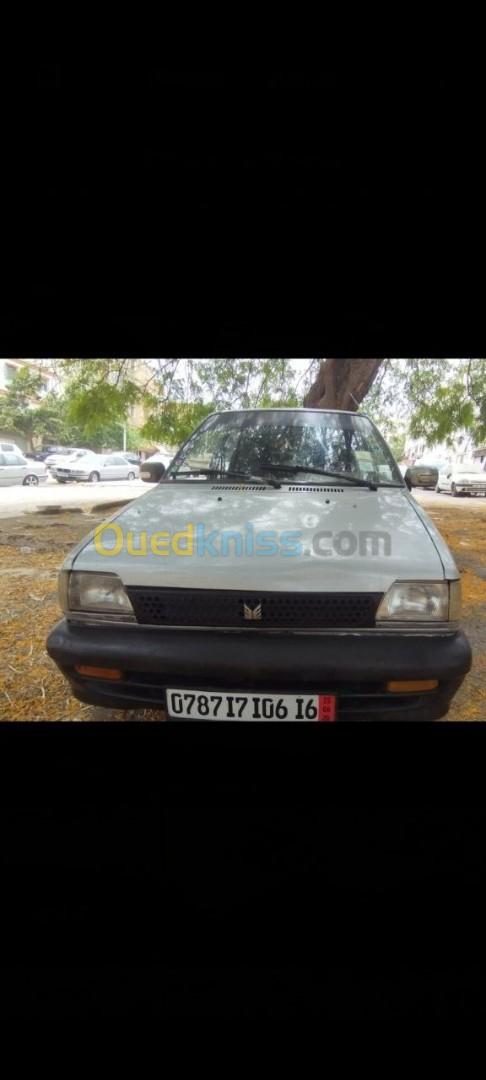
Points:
[(288, 487), (240, 487), (319, 490)]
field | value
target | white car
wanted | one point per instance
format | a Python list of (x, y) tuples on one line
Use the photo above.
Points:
[(95, 467), (280, 570), (10, 448), (16, 469), (466, 479), (59, 458)]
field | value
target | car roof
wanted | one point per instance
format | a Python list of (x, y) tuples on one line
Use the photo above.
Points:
[(289, 408)]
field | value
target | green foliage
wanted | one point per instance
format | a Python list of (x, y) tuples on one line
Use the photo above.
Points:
[(436, 398), (98, 393), (433, 398), (396, 443), (177, 394), (245, 384), (174, 421), (447, 399), (32, 421)]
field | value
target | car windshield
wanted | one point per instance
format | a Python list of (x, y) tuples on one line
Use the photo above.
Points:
[(473, 467), (293, 444)]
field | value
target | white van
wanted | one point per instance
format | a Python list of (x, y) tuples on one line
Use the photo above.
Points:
[(280, 570)]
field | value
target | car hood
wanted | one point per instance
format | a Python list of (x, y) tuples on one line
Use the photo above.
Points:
[(407, 544)]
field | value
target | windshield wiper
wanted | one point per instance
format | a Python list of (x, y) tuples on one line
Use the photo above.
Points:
[(248, 477), (357, 480)]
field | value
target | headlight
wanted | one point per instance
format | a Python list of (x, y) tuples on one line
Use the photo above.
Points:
[(421, 601), (80, 591)]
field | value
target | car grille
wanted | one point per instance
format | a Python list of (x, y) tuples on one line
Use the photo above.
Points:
[(213, 607)]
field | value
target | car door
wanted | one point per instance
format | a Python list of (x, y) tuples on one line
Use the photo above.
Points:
[(121, 467), (5, 470), (108, 468), (449, 478), (13, 468)]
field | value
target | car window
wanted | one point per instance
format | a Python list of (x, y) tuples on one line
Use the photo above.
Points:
[(2, 459), (8, 446), (14, 459), (117, 459)]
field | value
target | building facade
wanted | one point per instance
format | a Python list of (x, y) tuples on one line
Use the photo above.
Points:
[(9, 368)]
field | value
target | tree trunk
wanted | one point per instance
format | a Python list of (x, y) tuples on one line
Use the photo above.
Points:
[(342, 384)]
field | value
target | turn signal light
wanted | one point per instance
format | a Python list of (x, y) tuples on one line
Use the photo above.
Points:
[(99, 672), (408, 686)]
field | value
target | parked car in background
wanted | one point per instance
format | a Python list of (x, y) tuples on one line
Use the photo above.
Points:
[(68, 452), (466, 479), (134, 459), (16, 469), (424, 475), (152, 470), (48, 451), (95, 467), (10, 448)]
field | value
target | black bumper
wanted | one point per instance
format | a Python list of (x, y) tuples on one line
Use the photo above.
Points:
[(354, 667)]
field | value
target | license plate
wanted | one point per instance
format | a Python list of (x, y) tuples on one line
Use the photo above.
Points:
[(209, 705)]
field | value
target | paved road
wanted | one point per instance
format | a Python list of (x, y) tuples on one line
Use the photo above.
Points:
[(16, 499), (430, 501)]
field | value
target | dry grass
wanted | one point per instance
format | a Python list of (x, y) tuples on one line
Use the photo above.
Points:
[(31, 686)]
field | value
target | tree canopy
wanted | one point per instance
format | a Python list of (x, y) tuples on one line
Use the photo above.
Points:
[(24, 412), (432, 399), (176, 395)]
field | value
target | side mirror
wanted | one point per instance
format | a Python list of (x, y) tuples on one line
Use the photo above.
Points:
[(152, 471)]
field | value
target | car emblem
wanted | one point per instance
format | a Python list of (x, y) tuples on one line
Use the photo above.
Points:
[(252, 613)]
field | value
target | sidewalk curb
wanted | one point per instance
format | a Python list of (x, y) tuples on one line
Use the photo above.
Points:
[(88, 508), (110, 505)]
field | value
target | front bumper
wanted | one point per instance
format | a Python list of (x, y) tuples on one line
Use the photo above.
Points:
[(356, 667)]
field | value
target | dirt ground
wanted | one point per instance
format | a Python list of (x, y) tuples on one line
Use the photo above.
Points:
[(33, 546), (462, 523)]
